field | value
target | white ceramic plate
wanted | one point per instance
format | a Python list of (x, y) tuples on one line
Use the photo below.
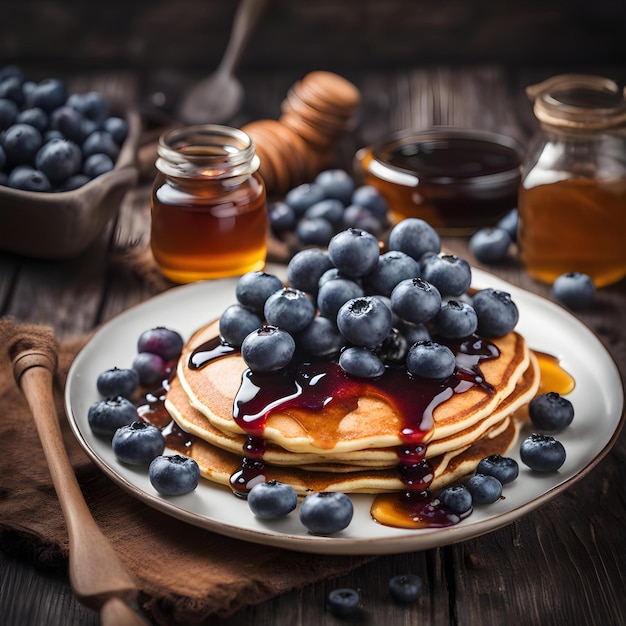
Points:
[(598, 399)]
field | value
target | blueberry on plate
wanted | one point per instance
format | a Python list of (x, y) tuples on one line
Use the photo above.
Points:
[(320, 338), (117, 381), (343, 602), (429, 359), (509, 223), (106, 416), (254, 288), (326, 512), (268, 349), (490, 245), (174, 475), (406, 588), (415, 300), (361, 363), (336, 184), (415, 237), (137, 443), (393, 267), (333, 294), (455, 320), (484, 489), (504, 468), (354, 252), (542, 453), (306, 267), (451, 274), (165, 342), (272, 499), (364, 321), (456, 498), (290, 309), (574, 289), (236, 323), (150, 367), (497, 312), (551, 411)]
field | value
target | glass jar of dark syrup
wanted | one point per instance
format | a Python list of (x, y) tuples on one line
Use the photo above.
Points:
[(572, 201), (208, 205)]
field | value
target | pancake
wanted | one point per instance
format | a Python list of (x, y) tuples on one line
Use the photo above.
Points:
[(373, 423)]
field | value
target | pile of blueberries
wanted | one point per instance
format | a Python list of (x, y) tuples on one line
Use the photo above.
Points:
[(51, 140), (332, 202)]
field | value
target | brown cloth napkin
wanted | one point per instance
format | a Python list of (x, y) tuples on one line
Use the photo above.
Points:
[(185, 574)]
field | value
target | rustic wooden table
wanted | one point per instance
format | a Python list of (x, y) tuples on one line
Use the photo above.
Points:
[(562, 564)]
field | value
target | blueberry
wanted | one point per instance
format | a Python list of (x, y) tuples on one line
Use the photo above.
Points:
[(354, 252), (306, 267), (333, 294), (504, 468), (12, 71), (336, 184), (117, 127), (107, 415), (314, 231), (100, 142), (332, 274), (97, 164), (34, 117), (551, 411), (343, 602), (93, 105), (451, 274), (394, 347), (28, 179), (414, 332), (509, 223), (74, 182), (320, 338), (174, 475), (370, 198), (290, 309), (326, 512), (497, 313), (484, 489), (361, 363), (268, 349), (455, 320), (303, 196), (429, 359), (165, 342), (281, 216), (3, 159), (359, 217), (11, 88), (457, 499), (20, 143), (48, 95), (150, 368), (137, 443), (542, 453), (69, 122), (490, 245), (574, 289), (393, 267), (272, 499), (8, 113), (329, 209), (117, 382), (406, 588), (59, 159), (49, 135), (254, 288), (364, 321), (414, 237), (415, 300), (236, 323)]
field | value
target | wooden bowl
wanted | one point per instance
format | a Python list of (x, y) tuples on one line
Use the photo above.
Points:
[(64, 224)]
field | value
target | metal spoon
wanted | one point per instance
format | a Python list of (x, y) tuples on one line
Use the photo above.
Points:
[(217, 98)]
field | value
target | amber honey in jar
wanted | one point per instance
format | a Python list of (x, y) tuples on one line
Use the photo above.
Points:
[(572, 200), (208, 206), (456, 179)]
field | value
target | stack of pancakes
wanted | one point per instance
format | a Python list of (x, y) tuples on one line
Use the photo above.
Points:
[(357, 450)]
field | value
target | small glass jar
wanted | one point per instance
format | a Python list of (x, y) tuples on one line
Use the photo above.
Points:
[(572, 200), (209, 215)]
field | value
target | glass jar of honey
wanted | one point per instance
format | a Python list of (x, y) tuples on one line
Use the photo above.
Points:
[(208, 205), (572, 200)]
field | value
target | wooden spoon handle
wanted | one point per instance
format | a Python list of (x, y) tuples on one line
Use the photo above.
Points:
[(96, 573)]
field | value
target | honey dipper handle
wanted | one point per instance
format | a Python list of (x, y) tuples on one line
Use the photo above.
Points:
[(96, 573)]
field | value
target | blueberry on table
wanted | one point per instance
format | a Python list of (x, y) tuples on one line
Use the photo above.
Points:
[(551, 411), (326, 512), (370, 198), (451, 274), (268, 349), (305, 269), (415, 237), (165, 342), (343, 602), (504, 468), (361, 363), (329, 209), (354, 252), (254, 288), (117, 381), (272, 499), (497, 312), (137, 443), (303, 196), (336, 184), (429, 359), (542, 453), (509, 223), (106, 416), (59, 159), (281, 216), (485, 489), (365, 321), (392, 268), (574, 289), (455, 320), (406, 588), (174, 475), (415, 300), (314, 231), (456, 498), (290, 309), (356, 216), (490, 245)]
